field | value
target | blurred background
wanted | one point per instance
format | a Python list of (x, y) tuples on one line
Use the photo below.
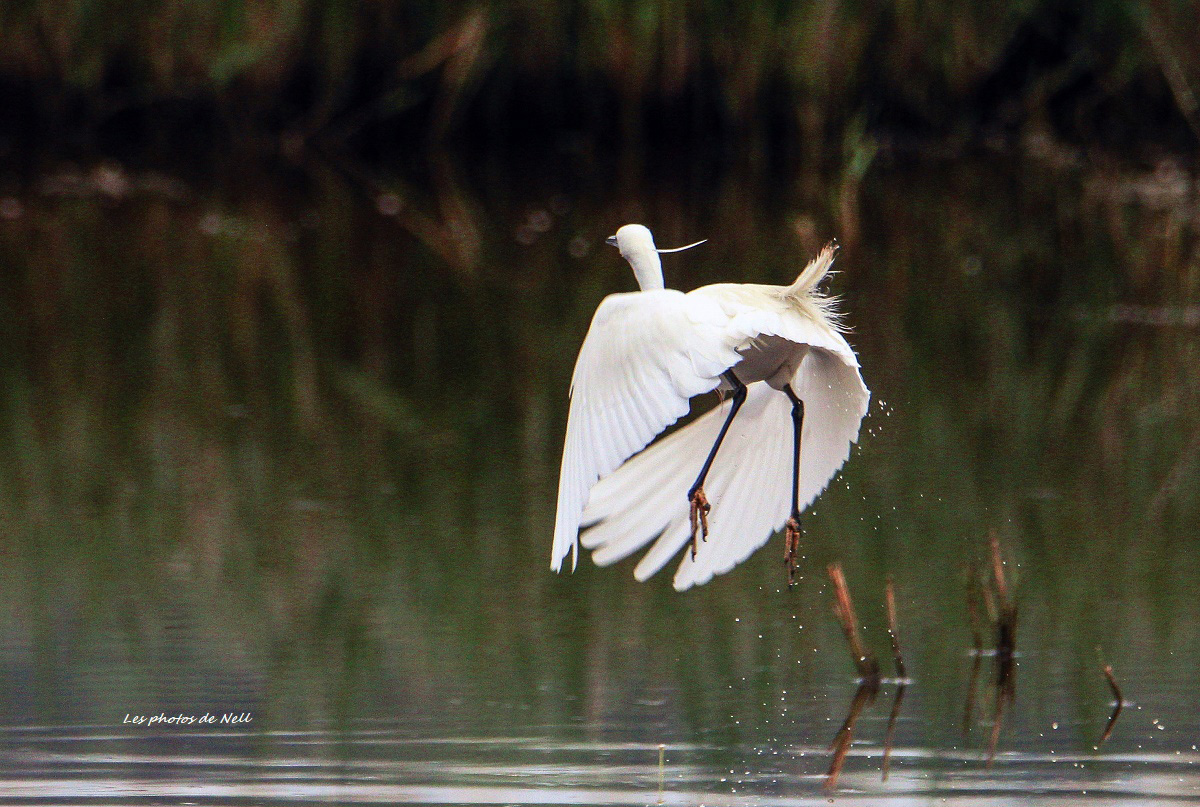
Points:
[(291, 294)]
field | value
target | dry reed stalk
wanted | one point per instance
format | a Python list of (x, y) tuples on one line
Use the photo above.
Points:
[(893, 633), (1119, 705), (843, 608)]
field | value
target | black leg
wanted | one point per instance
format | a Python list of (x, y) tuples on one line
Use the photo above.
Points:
[(696, 498), (792, 534)]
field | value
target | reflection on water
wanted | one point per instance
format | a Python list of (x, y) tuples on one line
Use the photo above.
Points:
[(288, 448)]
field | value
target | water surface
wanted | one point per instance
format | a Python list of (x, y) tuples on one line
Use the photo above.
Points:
[(285, 446)]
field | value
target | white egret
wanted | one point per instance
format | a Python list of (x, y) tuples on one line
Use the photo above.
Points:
[(797, 401)]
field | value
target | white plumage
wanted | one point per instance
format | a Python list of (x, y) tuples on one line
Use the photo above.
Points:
[(646, 354)]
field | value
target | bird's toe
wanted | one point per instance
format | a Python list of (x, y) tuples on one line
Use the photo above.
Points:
[(791, 551)]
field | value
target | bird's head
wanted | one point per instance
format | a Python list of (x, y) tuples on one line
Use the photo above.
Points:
[(637, 246), (632, 240)]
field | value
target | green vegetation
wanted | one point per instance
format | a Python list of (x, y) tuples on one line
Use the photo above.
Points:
[(792, 77)]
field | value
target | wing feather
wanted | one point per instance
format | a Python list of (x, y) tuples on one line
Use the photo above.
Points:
[(645, 500), (755, 502), (645, 356)]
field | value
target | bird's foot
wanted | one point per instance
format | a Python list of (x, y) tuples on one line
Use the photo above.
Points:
[(791, 551), (699, 517)]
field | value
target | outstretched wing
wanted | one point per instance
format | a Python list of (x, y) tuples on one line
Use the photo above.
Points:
[(645, 355), (750, 483)]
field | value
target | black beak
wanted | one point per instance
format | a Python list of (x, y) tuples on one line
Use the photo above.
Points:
[(611, 240)]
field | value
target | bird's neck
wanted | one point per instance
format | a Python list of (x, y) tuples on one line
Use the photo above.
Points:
[(647, 268)]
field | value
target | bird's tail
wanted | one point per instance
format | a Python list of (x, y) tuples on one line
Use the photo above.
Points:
[(804, 294), (814, 273)]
